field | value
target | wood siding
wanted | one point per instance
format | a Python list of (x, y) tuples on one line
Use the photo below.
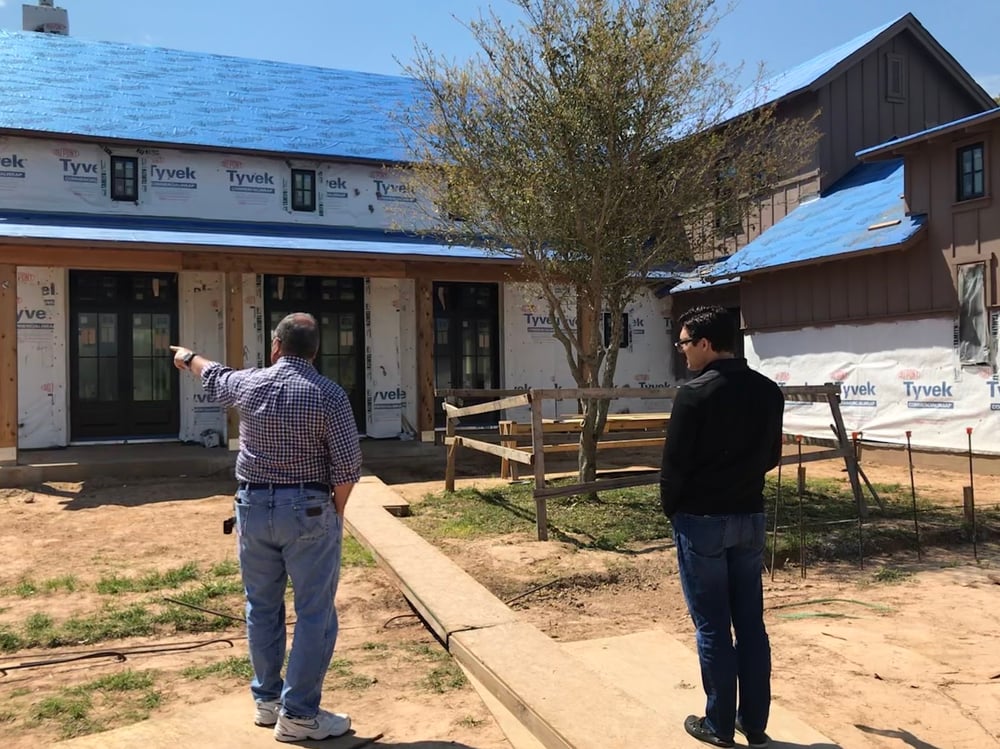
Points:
[(856, 113), (959, 232), (897, 283)]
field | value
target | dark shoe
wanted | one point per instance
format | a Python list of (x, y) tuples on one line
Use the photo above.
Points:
[(695, 727), (755, 739)]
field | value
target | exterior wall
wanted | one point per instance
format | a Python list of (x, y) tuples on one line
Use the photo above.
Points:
[(536, 359), (900, 283), (202, 327), (965, 232), (42, 357), (71, 176), (855, 112), (895, 376)]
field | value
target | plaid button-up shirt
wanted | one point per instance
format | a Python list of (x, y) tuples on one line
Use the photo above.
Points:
[(295, 424)]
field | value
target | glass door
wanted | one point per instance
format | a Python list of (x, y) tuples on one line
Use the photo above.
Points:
[(122, 379), (466, 343)]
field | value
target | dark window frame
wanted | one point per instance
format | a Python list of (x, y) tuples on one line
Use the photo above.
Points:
[(303, 198), (961, 194), (129, 192)]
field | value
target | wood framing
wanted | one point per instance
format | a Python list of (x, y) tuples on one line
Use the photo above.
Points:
[(8, 363), (425, 355), (234, 345)]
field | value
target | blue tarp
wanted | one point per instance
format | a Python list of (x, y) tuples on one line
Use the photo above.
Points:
[(229, 235), (64, 85), (837, 223)]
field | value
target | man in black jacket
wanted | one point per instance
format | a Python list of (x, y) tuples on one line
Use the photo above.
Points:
[(724, 436)]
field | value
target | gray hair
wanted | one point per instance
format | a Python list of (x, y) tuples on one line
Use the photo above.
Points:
[(298, 335)]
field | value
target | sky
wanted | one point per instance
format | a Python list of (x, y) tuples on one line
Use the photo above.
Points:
[(378, 35)]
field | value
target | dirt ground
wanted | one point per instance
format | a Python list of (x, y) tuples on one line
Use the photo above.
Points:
[(902, 653), (95, 529)]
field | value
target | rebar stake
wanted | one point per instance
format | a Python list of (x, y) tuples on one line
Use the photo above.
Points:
[(913, 495)]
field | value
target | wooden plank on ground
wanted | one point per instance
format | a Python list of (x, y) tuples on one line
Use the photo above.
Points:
[(569, 447), (603, 485)]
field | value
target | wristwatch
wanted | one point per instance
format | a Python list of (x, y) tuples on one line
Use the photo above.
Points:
[(187, 358)]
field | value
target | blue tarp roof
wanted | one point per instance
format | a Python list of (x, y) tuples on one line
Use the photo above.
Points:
[(124, 91), (802, 76), (837, 223), (229, 235), (702, 279)]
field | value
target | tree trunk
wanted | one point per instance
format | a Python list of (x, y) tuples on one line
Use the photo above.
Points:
[(594, 418)]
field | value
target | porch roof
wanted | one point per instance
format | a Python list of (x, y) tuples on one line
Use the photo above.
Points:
[(64, 228), (863, 212)]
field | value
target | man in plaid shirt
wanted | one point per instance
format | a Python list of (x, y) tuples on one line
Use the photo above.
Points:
[(298, 449)]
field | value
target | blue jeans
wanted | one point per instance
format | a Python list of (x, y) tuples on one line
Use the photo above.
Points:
[(720, 558), (289, 533)]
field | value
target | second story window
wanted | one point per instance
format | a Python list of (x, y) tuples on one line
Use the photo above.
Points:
[(303, 190), (125, 178), (971, 171)]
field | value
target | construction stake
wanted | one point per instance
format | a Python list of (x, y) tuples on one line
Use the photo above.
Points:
[(802, 529), (774, 533), (913, 494), (972, 497)]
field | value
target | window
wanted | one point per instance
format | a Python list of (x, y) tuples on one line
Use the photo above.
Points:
[(973, 333), (124, 178), (303, 190), (626, 339), (971, 172), (895, 78)]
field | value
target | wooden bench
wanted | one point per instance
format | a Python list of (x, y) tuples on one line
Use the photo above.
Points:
[(512, 431)]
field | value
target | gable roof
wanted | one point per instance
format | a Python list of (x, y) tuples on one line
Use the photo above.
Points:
[(893, 147), (863, 212), (107, 90), (820, 70)]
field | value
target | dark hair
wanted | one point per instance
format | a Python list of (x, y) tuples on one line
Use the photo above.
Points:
[(298, 335), (714, 324)]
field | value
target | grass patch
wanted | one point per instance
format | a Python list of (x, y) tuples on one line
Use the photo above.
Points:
[(618, 519), (174, 578), (123, 697), (236, 667), (890, 575), (225, 568), (444, 678), (614, 521), (26, 587), (353, 554)]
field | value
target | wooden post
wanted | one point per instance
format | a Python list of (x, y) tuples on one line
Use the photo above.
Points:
[(8, 364), (503, 428), (424, 304), (234, 347), (538, 458), (452, 441), (849, 457)]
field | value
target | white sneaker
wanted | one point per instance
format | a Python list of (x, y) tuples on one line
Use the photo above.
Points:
[(324, 726), (267, 713)]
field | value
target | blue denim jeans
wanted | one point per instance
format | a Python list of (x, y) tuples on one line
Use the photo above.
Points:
[(720, 558), (289, 533)]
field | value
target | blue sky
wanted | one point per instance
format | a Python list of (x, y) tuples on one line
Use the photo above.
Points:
[(372, 36)]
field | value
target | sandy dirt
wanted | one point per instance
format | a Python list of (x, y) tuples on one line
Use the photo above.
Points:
[(901, 654), (92, 530)]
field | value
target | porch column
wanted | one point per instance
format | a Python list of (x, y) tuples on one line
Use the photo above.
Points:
[(234, 347), (425, 359), (8, 363)]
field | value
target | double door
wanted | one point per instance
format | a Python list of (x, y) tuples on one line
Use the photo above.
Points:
[(338, 306), (123, 383)]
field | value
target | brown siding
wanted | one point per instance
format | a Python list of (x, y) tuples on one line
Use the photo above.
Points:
[(857, 114), (873, 287)]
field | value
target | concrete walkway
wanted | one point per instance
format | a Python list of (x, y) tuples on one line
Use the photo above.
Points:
[(605, 694)]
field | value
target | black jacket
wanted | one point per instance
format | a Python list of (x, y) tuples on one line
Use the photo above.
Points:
[(724, 435)]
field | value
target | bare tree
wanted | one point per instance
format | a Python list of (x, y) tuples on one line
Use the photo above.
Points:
[(591, 141)]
